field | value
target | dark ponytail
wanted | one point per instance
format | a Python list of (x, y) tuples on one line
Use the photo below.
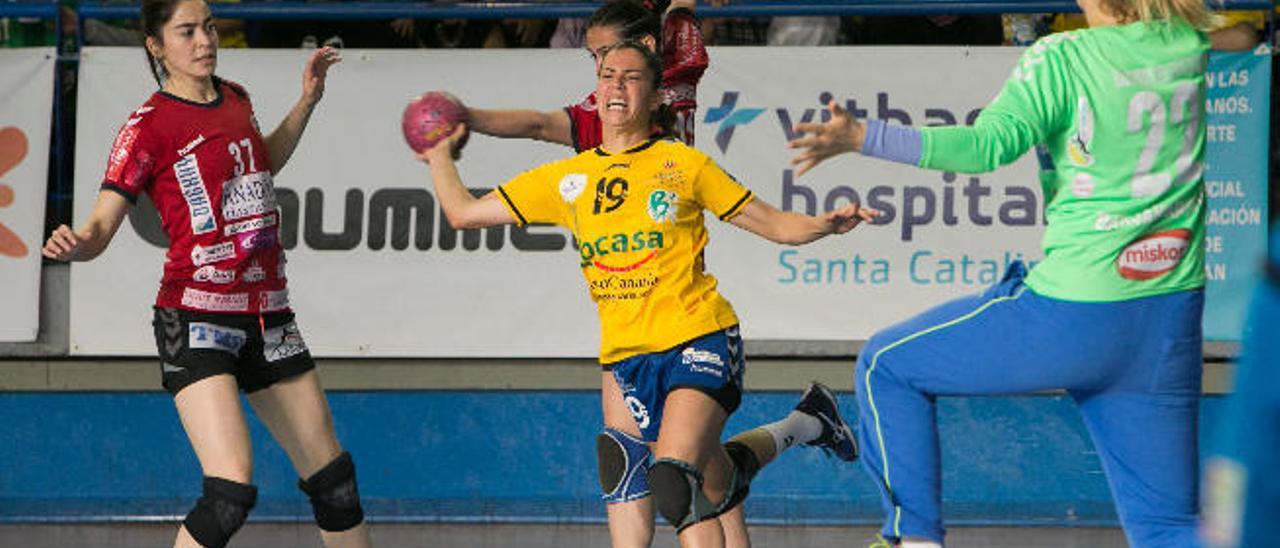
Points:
[(154, 14), (632, 19), (664, 118)]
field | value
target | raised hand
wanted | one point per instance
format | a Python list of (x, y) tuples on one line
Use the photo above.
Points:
[(838, 135), (315, 72)]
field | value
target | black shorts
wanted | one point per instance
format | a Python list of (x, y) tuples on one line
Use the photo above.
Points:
[(259, 350)]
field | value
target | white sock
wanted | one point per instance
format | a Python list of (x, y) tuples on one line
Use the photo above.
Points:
[(919, 544), (796, 428)]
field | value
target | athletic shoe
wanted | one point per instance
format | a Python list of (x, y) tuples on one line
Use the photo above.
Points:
[(818, 401)]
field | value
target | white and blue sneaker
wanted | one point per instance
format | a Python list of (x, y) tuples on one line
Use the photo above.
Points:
[(837, 438)]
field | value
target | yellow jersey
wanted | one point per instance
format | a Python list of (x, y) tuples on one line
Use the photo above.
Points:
[(636, 218)]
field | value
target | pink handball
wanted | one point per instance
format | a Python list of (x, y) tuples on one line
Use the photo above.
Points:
[(429, 118)]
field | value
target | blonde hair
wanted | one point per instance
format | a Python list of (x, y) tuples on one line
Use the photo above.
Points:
[(1192, 11)]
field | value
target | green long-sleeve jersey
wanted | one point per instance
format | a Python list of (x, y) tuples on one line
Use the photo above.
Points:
[(1121, 111)]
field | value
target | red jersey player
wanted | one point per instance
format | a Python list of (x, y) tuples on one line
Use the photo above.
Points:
[(684, 58), (222, 317)]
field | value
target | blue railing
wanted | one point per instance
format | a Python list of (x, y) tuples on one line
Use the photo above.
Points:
[(293, 9)]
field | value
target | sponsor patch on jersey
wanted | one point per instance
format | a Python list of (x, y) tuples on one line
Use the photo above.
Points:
[(703, 361), (254, 274), (191, 183), (282, 342), (1082, 186), (247, 196), (662, 205), (693, 355), (191, 146), (271, 301), (251, 224), (258, 239), (215, 337), (1153, 255), (211, 274), (571, 186), (216, 302), (1081, 143), (201, 255), (121, 150)]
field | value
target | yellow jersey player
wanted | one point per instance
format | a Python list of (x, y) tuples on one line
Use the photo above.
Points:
[(670, 345)]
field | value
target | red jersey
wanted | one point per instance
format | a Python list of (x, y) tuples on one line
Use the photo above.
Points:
[(684, 59), (206, 168)]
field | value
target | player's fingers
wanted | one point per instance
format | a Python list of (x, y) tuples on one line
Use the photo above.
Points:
[(458, 133), (808, 127), (836, 109), (804, 167), (65, 237), (802, 157), (804, 142)]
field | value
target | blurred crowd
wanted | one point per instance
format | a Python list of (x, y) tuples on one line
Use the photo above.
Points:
[(1240, 30)]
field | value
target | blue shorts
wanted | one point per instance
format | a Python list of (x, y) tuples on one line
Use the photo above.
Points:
[(712, 364)]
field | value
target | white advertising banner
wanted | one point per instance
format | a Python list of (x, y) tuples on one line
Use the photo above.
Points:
[(26, 115), (375, 271), (942, 235)]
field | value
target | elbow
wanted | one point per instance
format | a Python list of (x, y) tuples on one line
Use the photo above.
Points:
[(462, 221)]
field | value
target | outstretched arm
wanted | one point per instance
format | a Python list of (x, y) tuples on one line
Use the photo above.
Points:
[(787, 227), (92, 238), (461, 208), (282, 141), (551, 126), (839, 135)]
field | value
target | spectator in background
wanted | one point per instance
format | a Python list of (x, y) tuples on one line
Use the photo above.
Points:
[(804, 31), (124, 32), (447, 33), (958, 30), (1235, 31), (26, 32), (734, 31), (1238, 30), (570, 33)]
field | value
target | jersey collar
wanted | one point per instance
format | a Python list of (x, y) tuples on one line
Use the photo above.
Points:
[(600, 151), (217, 100)]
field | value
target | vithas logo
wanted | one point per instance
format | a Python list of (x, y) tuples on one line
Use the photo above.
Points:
[(730, 118), (13, 149)]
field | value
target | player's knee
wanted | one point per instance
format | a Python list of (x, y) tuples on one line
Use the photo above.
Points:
[(623, 460), (678, 496), (874, 345), (746, 465), (677, 486), (335, 500), (221, 511)]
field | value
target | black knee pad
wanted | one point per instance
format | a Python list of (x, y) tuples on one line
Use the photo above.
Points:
[(220, 512), (623, 460), (335, 501), (745, 467), (677, 492)]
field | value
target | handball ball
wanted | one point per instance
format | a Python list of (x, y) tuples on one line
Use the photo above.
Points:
[(429, 118)]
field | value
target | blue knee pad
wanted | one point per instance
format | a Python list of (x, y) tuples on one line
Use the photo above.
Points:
[(623, 461)]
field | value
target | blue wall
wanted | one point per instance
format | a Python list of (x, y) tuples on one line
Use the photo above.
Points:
[(522, 457)]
